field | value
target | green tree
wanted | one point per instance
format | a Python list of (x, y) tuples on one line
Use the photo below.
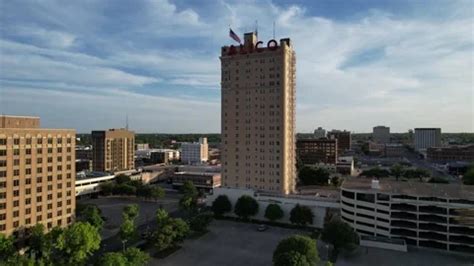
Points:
[(122, 179), (113, 259), (92, 215), (200, 222), (190, 195), (170, 231), (128, 230), (124, 189), (130, 212), (468, 178), (245, 207), (416, 173), (301, 215), (136, 257), (78, 242), (157, 192), (375, 172), (107, 188), (296, 250), (221, 205), (273, 212), (397, 170), (311, 176), (335, 181), (290, 258), (7, 248), (340, 235), (38, 243)]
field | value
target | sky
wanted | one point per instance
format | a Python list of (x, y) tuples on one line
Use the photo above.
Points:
[(89, 64)]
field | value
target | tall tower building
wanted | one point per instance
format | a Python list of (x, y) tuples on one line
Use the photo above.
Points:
[(37, 174), (113, 150), (427, 137), (258, 115)]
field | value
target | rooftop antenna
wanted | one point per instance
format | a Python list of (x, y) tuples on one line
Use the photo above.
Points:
[(273, 29), (256, 28), (126, 121)]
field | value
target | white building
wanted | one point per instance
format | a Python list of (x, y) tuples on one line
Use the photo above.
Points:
[(429, 215), (319, 204), (319, 133), (87, 183), (427, 137), (381, 134), (195, 153)]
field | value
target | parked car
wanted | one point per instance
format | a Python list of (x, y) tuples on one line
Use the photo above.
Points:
[(262, 228)]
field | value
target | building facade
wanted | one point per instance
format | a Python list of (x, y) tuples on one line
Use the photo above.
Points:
[(313, 151), (258, 115), (451, 154), (427, 137), (344, 139), (381, 134), (394, 150), (437, 216), (113, 150), (192, 153), (37, 174)]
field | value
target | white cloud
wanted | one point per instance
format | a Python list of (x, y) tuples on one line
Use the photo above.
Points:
[(48, 38), (379, 69)]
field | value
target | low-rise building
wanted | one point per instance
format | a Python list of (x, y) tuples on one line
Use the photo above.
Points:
[(84, 152), (87, 182), (83, 165), (345, 165), (201, 180), (428, 215), (394, 150), (314, 151), (451, 153), (142, 146)]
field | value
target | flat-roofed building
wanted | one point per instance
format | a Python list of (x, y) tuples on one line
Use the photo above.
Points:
[(394, 150), (258, 115), (427, 137), (428, 215), (381, 134), (201, 180), (451, 154), (314, 151), (344, 139), (197, 152), (113, 150), (37, 174)]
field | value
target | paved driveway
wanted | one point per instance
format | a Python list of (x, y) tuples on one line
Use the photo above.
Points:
[(228, 243)]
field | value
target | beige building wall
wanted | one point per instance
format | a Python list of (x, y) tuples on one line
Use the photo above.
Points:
[(37, 175), (258, 116), (113, 150)]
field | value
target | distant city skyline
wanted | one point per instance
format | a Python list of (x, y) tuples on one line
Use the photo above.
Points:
[(87, 65)]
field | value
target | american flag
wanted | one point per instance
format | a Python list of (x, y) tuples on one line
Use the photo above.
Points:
[(234, 36)]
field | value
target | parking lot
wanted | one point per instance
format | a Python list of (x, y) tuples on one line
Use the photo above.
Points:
[(229, 243), (112, 209)]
